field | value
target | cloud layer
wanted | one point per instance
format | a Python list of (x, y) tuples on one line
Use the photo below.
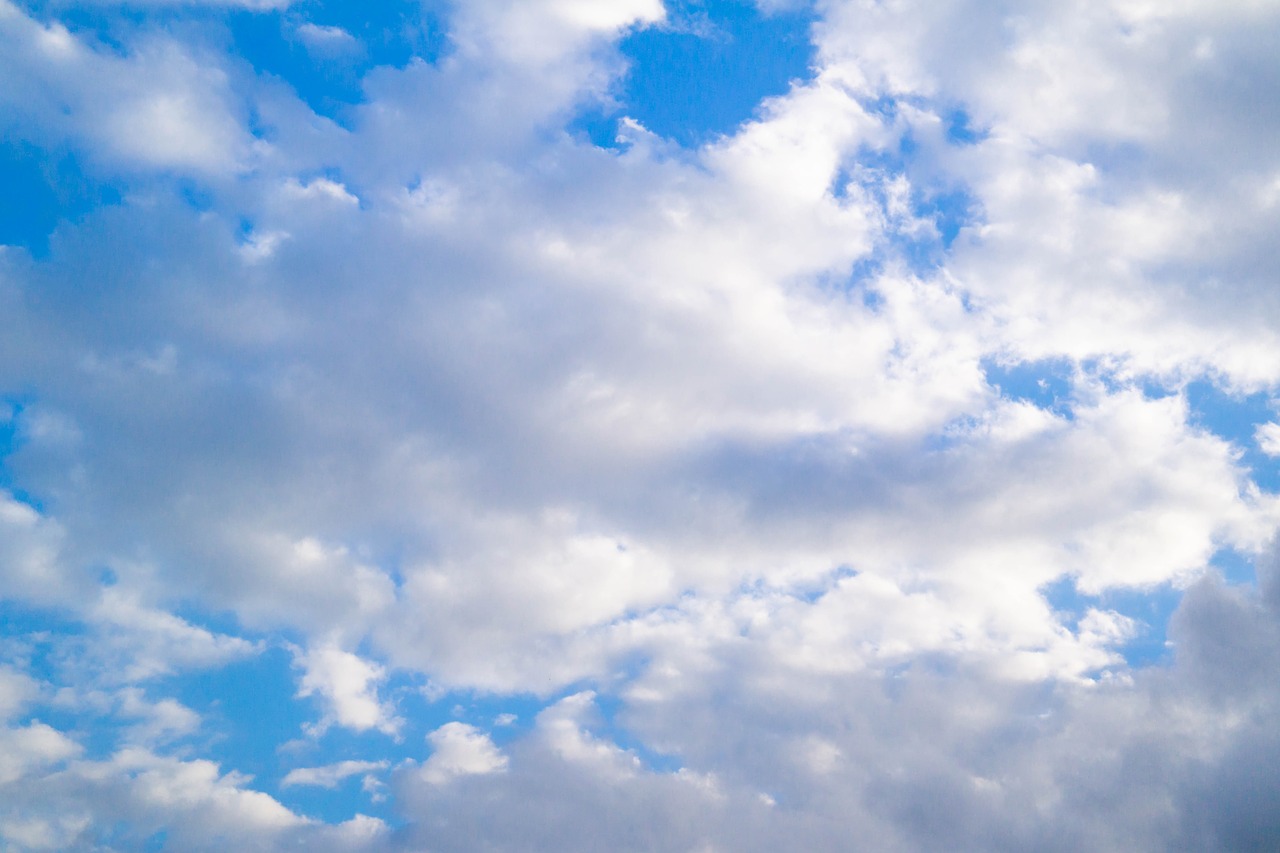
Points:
[(817, 482)]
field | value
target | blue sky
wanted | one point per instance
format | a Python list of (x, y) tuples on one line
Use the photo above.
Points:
[(629, 425)]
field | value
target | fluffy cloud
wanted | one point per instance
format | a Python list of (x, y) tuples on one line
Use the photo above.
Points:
[(917, 761), (159, 107), (1101, 167), (446, 394), (348, 687), (460, 750)]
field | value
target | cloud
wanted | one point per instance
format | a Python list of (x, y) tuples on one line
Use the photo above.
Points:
[(348, 687), (325, 38), (135, 794), (331, 775), (1268, 438), (1126, 259), (158, 107), (16, 690), (707, 457), (153, 789), (545, 31), (146, 642), (157, 722), (30, 550), (811, 758), (31, 748), (460, 750)]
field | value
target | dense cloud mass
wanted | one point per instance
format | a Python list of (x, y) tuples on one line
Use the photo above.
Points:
[(392, 461)]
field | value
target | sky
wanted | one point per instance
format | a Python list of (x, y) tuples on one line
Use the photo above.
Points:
[(701, 425)]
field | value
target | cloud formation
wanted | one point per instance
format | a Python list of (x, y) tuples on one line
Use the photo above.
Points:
[(821, 481)]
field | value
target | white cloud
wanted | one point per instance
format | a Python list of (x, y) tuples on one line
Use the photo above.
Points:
[(1127, 260), (142, 642), (330, 776), (138, 794), (994, 765), (30, 748), (169, 784), (1268, 438), (325, 37), (157, 721), (319, 189), (159, 107), (16, 691), (348, 687), (515, 414), (30, 546), (545, 32), (460, 750)]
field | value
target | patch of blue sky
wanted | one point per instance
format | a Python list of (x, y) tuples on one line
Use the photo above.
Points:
[(814, 591), (960, 128), (1150, 608), (249, 709), (705, 71), (1237, 568), (612, 727), (945, 208), (349, 796), (255, 723), (344, 800), (320, 48), (1235, 417), (43, 187), (950, 210), (31, 636), (10, 410), (324, 49), (1046, 384), (46, 645), (506, 717), (949, 207)]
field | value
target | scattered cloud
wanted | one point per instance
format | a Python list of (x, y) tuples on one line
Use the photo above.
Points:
[(460, 750), (816, 482), (330, 776), (347, 685)]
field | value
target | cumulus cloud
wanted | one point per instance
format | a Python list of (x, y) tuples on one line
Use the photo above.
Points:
[(33, 747), (1268, 437), (1005, 766), (718, 456), (460, 750), (157, 107), (347, 685), (1096, 166)]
